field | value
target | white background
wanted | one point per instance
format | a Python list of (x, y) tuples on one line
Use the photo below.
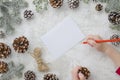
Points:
[(90, 22)]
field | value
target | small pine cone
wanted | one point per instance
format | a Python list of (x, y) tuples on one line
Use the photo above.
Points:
[(115, 36), (28, 14), (85, 72), (21, 44), (5, 50), (50, 76), (3, 67), (56, 3), (99, 7), (30, 75), (114, 18), (73, 3)]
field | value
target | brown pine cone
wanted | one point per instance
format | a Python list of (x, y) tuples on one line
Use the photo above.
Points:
[(115, 36), (3, 67), (99, 7), (21, 44), (56, 3), (5, 50), (85, 72), (50, 76), (30, 75)]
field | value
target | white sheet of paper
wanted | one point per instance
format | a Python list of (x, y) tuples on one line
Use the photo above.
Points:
[(63, 37)]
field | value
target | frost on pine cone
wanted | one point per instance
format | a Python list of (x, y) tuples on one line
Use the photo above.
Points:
[(28, 14), (56, 3), (73, 3), (50, 76), (5, 50), (30, 75), (21, 44), (99, 7), (114, 18), (3, 67), (85, 72), (115, 36)]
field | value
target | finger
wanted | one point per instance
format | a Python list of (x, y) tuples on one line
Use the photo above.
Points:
[(90, 37), (93, 37), (75, 76), (76, 69), (91, 43), (75, 72), (97, 45), (81, 76)]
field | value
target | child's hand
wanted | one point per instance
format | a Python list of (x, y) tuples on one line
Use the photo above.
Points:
[(76, 75), (99, 46)]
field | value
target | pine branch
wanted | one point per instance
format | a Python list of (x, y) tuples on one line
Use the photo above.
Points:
[(11, 14), (14, 71), (40, 5)]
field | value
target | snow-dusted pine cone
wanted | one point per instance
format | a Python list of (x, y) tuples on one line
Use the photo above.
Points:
[(3, 67), (99, 7), (73, 3), (115, 36), (28, 14), (114, 18), (5, 50), (21, 44), (56, 3), (30, 75), (50, 76), (85, 72)]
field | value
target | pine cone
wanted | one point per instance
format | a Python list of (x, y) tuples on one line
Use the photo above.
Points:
[(21, 44), (56, 3), (28, 14), (3, 67), (73, 3), (114, 18), (5, 50), (30, 75), (85, 72), (99, 7), (115, 36), (50, 76)]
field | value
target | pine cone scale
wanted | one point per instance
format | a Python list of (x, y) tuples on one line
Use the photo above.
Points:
[(73, 3), (50, 76), (21, 44), (5, 50), (3, 67), (56, 3), (114, 18), (115, 36), (85, 72), (30, 75)]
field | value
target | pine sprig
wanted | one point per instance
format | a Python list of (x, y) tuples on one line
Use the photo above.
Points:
[(14, 71), (40, 5), (10, 11)]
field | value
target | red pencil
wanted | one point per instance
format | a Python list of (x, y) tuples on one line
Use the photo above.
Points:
[(101, 41)]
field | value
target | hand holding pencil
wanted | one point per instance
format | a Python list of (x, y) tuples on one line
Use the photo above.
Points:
[(98, 43)]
